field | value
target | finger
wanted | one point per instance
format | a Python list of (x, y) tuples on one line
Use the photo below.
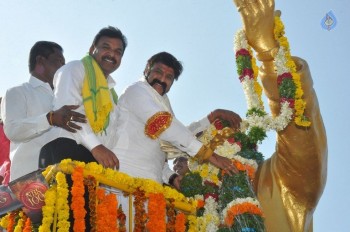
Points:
[(78, 115), (72, 107), (69, 128), (115, 162), (73, 126)]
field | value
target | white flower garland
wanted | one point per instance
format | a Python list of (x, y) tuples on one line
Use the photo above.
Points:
[(266, 122)]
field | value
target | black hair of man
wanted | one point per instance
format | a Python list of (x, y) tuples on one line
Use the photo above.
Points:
[(166, 59), (111, 32), (42, 48)]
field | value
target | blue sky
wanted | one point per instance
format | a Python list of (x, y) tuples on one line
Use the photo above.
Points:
[(200, 34)]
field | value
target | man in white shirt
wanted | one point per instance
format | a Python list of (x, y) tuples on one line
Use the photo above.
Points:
[(27, 109), (89, 144), (145, 117)]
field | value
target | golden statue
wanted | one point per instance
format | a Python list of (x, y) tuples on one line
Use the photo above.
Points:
[(291, 182)]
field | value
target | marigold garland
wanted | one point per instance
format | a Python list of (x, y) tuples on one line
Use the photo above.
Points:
[(48, 209), (90, 182), (78, 200), (156, 213), (106, 211), (245, 207), (140, 212), (5, 221), (62, 207), (20, 222), (171, 216), (28, 225), (121, 219), (180, 223), (11, 222)]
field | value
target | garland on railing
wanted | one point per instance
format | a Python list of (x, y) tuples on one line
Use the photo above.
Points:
[(78, 200), (107, 211), (62, 207), (156, 213)]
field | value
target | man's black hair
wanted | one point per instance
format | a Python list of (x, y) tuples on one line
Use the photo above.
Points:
[(42, 48), (112, 32), (166, 59)]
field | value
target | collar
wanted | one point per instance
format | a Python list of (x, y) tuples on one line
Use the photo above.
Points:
[(111, 82), (35, 82)]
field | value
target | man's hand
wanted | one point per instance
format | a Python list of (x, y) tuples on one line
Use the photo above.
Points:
[(105, 157), (233, 118), (65, 118), (223, 163), (258, 20)]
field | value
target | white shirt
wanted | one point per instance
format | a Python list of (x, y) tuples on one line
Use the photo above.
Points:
[(68, 84), (139, 155), (23, 111)]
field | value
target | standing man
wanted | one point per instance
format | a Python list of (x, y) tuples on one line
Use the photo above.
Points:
[(145, 117), (27, 109), (88, 83)]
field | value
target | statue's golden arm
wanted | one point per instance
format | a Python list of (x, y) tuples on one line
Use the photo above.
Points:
[(290, 183), (301, 153)]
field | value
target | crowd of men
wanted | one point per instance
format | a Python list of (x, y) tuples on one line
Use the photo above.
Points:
[(72, 111)]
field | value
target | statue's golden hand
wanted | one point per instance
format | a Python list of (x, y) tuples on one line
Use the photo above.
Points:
[(258, 20)]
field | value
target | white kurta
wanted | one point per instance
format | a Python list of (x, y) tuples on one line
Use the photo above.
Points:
[(138, 154), (24, 110), (68, 84)]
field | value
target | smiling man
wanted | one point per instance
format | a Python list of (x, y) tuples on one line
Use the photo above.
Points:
[(145, 117), (88, 83)]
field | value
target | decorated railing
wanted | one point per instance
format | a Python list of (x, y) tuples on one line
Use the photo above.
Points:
[(211, 200)]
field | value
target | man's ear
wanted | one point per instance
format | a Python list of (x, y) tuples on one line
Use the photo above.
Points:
[(92, 49), (146, 71)]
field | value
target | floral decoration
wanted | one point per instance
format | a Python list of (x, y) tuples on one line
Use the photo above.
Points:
[(78, 199), (156, 213)]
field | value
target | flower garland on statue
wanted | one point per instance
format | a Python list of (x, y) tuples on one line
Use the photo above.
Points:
[(226, 144), (257, 118), (286, 71), (288, 81)]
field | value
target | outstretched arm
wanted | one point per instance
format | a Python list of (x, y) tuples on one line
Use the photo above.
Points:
[(298, 169)]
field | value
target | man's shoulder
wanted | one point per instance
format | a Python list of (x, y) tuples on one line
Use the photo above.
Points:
[(137, 87), (19, 88), (75, 64)]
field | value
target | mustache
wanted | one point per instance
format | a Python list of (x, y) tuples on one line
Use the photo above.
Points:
[(109, 58), (156, 81)]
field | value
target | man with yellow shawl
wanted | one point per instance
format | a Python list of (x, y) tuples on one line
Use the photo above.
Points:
[(290, 183), (88, 83)]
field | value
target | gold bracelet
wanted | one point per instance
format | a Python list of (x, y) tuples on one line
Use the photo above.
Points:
[(50, 118), (204, 153), (268, 55)]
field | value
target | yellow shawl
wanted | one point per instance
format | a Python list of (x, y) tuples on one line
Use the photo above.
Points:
[(96, 95)]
